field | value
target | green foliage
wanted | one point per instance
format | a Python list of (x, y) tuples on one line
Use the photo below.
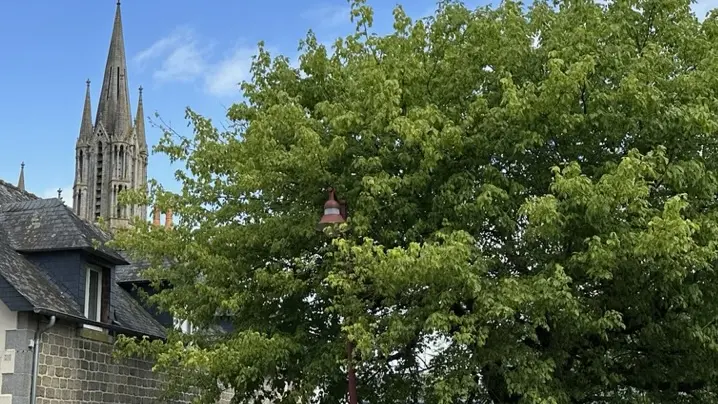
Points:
[(533, 215)]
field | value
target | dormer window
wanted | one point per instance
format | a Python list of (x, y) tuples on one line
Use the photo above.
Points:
[(93, 294)]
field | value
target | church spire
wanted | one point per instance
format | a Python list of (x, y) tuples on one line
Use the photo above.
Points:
[(140, 125), (21, 180), (111, 160), (86, 125), (113, 109)]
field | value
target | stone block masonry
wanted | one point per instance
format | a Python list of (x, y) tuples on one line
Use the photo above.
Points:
[(76, 369)]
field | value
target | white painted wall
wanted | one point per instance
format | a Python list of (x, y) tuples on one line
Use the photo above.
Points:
[(8, 321)]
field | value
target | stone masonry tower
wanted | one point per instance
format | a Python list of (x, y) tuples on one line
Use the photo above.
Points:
[(111, 154)]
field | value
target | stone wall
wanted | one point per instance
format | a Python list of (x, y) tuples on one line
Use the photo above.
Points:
[(78, 369), (76, 366)]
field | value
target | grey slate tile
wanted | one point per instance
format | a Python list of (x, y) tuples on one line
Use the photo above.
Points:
[(32, 283), (130, 314), (10, 193), (47, 225), (130, 273)]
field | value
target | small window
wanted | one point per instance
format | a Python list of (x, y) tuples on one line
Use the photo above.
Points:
[(93, 294)]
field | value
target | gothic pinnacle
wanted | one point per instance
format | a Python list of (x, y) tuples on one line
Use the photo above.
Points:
[(21, 180), (86, 128)]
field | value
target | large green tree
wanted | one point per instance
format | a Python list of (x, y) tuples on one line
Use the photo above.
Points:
[(532, 213)]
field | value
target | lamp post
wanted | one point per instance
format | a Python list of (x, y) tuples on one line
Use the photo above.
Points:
[(335, 213)]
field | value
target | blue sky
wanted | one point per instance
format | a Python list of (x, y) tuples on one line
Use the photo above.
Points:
[(182, 52)]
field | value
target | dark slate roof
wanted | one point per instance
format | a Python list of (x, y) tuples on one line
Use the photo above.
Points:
[(49, 225), (33, 284), (130, 273), (28, 223), (10, 193), (131, 315)]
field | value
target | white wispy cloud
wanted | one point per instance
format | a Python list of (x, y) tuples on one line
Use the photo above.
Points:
[(328, 15), (183, 56), (223, 78), (180, 56), (163, 45), (185, 63)]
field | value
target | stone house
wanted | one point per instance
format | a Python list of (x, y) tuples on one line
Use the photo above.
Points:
[(61, 304)]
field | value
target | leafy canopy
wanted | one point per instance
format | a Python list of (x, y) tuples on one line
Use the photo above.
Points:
[(532, 202)]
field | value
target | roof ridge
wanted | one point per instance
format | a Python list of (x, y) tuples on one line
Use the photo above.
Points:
[(7, 184), (89, 225), (32, 204)]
